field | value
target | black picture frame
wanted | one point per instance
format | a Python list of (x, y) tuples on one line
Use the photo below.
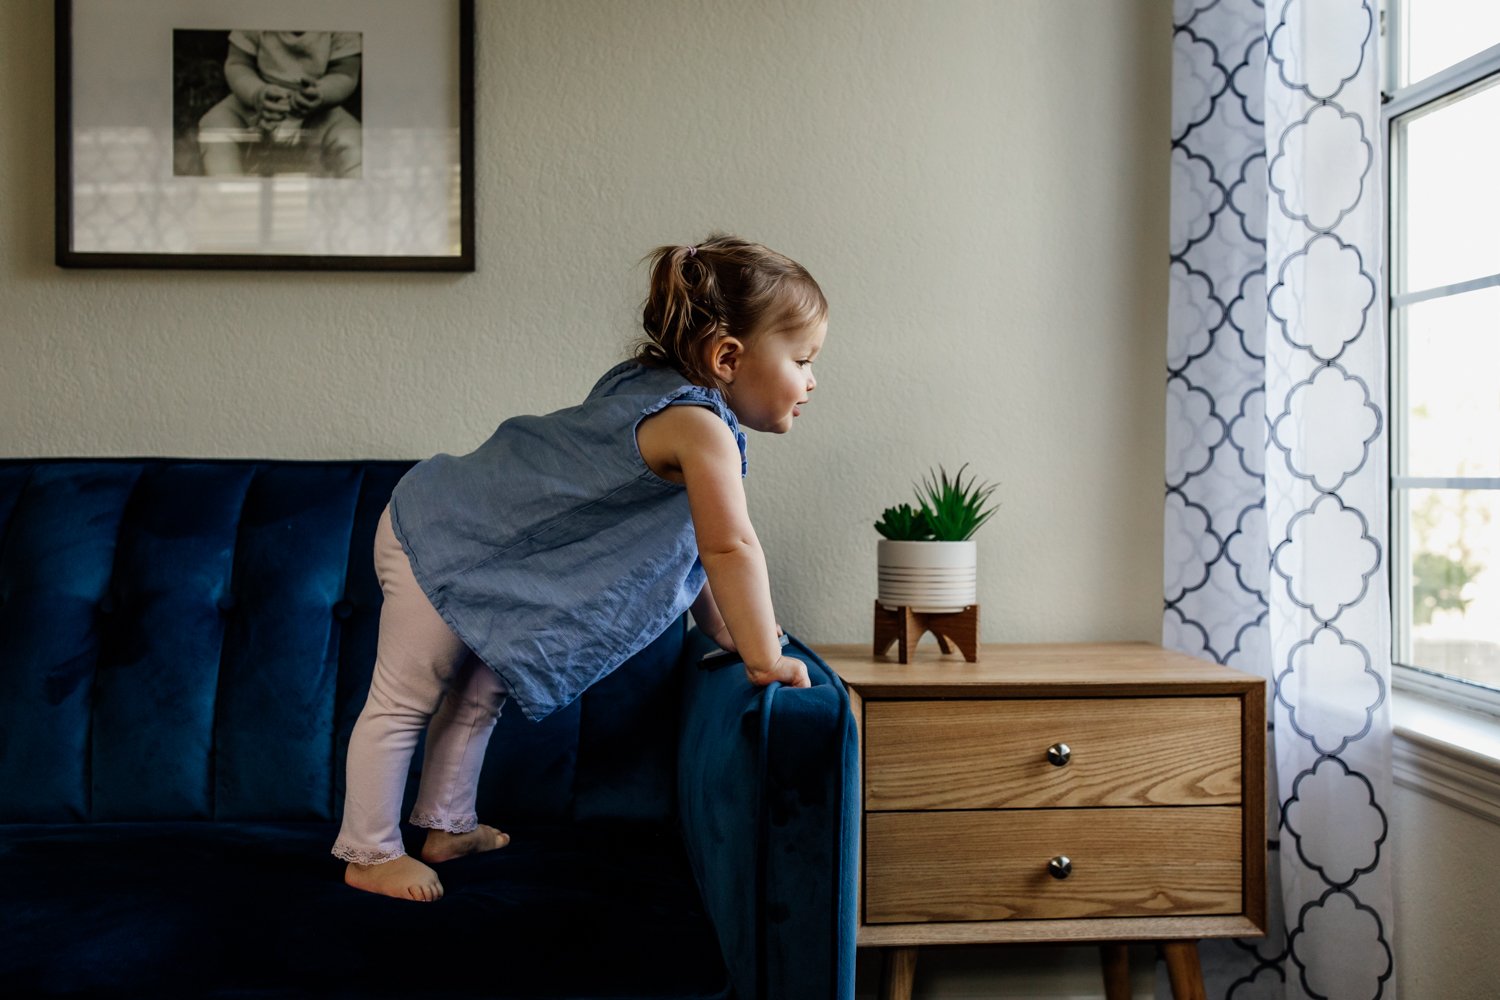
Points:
[(144, 208)]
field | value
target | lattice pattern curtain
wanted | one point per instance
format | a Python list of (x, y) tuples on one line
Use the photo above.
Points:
[(1275, 521)]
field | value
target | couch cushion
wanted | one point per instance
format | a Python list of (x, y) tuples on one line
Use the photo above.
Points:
[(172, 635), (602, 909), (184, 640)]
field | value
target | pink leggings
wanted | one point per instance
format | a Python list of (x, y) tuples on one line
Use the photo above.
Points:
[(417, 662)]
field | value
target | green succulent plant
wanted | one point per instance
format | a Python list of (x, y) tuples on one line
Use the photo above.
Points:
[(902, 524), (950, 510), (953, 509)]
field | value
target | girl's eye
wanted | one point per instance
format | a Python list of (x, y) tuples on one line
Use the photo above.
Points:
[(805, 362)]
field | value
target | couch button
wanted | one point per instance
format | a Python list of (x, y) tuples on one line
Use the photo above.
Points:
[(342, 609)]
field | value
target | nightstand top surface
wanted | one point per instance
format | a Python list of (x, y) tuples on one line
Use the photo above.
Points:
[(1048, 669)]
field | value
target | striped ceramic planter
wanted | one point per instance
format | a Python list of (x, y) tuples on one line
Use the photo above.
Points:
[(927, 576)]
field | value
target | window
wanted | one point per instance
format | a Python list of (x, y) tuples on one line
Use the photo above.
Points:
[(1442, 117)]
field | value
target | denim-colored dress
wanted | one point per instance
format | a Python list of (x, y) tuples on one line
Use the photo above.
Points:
[(552, 550)]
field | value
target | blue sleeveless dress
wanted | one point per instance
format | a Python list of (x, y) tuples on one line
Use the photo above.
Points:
[(552, 550)]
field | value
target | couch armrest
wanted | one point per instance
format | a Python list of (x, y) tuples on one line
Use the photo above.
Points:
[(768, 801)]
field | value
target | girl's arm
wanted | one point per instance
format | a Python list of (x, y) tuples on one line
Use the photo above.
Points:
[(710, 622), (694, 442)]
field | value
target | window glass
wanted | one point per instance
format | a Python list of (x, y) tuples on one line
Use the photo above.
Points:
[(1455, 582), (1439, 33), (1444, 168), (1451, 221), (1452, 383)]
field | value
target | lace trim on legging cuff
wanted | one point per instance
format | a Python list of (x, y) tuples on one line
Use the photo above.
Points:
[(431, 822), (364, 857)]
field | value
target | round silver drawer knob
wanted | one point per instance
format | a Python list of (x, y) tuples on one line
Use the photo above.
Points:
[(1060, 866), (1059, 754)]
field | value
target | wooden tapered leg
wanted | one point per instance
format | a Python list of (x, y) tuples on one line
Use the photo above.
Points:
[(1183, 970), (1115, 960), (963, 630), (899, 973), (895, 627)]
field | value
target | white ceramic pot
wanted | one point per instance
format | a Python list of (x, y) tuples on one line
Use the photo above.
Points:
[(927, 576)]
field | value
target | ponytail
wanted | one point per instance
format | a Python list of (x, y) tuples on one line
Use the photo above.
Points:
[(724, 285), (683, 311)]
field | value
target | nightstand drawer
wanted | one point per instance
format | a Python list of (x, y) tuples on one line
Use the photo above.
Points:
[(993, 865), (993, 753)]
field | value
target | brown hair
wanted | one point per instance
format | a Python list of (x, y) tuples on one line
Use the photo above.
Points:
[(723, 285)]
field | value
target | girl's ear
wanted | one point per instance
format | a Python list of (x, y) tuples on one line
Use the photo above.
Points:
[(724, 356)]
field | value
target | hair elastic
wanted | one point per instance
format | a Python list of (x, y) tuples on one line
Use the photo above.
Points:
[(692, 251)]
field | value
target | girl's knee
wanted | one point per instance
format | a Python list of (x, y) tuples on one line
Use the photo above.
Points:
[(487, 712), (394, 694)]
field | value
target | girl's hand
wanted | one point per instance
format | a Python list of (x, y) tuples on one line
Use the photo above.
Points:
[(788, 670)]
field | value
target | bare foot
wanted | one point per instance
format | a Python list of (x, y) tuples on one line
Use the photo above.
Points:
[(404, 878), (444, 846)]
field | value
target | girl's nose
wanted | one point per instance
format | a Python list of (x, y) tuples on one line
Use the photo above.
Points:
[(812, 382)]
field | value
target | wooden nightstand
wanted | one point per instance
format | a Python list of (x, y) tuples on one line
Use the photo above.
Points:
[(1058, 793)]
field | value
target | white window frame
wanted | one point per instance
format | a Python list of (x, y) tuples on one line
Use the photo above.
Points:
[(1443, 87)]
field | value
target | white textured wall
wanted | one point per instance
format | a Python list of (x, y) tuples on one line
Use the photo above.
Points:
[(979, 185)]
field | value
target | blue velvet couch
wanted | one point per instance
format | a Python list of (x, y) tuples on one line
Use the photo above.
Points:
[(184, 649)]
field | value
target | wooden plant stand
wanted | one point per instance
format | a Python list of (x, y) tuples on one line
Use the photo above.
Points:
[(906, 628)]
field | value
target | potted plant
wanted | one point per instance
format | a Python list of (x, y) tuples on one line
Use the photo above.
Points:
[(927, 560)]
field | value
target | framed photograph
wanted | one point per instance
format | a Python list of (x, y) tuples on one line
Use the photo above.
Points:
[(227, 134)]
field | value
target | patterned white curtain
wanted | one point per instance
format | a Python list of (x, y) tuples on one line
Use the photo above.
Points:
[(1275, 554)]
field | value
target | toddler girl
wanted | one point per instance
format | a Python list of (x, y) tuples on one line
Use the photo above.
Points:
[(535, 565)]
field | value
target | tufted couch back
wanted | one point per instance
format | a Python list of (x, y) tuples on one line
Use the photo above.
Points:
[(188, 640)]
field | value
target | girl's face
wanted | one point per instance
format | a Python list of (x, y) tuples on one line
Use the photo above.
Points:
[(771, 377)]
